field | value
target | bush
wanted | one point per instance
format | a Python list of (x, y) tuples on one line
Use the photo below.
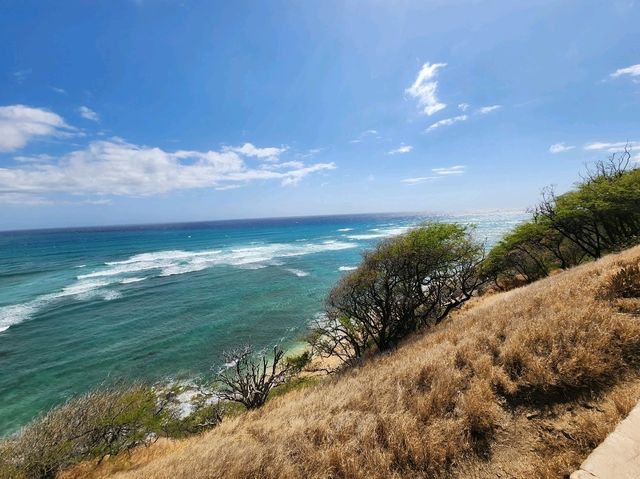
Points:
[(406, 283), (298, 362), (92, 426)]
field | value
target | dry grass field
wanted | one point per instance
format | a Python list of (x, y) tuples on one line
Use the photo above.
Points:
[(519, 384)]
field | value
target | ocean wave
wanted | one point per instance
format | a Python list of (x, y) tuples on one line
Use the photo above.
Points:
[(347, 268), (132, 280), (172, 262), (14, 314), (377, 233), (298, 272), (343, 230), (96, 284)]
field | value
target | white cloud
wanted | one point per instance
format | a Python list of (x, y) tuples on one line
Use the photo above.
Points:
[(419, 179), (364, 135), (450, 170), (401, 150), (263, 153), (612, 147), (488, 109), (19, 76), (560, 148), (60, 91), (19, 124), (118, 168), (463, 106), (447, 122), (88, 114), (632, 71), (424, 88)]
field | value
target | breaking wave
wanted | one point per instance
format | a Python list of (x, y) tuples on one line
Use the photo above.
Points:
[(95, 285)]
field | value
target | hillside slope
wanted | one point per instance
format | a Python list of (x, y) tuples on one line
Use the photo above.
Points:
[(523, 383)]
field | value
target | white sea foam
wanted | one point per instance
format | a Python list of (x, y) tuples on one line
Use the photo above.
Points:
[(298, 272), (172, 262), (343, 230), (95, 284), (376, 233), (14, 314), (132, 280), (347, 268)]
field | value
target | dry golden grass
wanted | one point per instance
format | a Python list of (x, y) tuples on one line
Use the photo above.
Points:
[(523, 383)]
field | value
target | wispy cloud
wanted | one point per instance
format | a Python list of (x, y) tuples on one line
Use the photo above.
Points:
[(488, 109), (401, 150), (41, 158), (449, 170), (463, 106), (560, 148), (424, 88), (612, 147), (447, 122), (118, 168), (364, 135), (20, 124), (19, 76), (632, 71), (419, 179), (88, 114), (59, 91), (250, 150)]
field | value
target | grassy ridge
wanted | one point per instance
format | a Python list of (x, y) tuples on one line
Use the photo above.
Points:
[(525, 382)]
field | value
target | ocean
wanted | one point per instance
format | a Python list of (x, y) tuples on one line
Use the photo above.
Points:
[(87, 306)]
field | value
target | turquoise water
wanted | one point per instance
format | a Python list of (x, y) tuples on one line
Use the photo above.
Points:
[(84, 306)]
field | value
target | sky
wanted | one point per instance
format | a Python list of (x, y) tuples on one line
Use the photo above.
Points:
[(151, 111)]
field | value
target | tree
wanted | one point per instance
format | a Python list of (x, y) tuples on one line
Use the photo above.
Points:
[(405, 283), (603, 213), (250, 377)]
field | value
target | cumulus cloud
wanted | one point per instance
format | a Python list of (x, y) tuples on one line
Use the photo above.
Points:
[(488, 109), (424, 89), (560, 148), (401, 150), (632, 71), (88, 114), (450, 170), (20, 124), (447, 122), (118, 168)]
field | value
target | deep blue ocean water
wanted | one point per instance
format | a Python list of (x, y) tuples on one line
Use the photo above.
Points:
[(80, 307)]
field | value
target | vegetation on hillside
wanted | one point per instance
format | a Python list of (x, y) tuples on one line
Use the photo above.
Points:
[(600, 216), (92, 426), (521, 384)]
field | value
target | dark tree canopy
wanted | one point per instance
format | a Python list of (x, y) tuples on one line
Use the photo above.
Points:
[(405, 283), (601, 215)]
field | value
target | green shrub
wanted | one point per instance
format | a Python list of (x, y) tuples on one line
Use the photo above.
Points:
[(92, 426), (298, 362)]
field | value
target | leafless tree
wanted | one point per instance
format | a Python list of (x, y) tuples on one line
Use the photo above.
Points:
[(250, 377)]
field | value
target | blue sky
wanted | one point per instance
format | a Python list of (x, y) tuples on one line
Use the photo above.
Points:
[(157, 111)]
